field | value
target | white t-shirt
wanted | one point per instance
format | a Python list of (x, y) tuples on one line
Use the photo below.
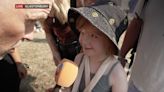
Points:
[(148, 68)]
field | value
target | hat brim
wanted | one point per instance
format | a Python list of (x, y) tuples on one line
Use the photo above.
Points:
[(97, 20)]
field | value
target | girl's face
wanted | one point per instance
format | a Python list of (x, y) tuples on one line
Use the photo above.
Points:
[(93, 42)]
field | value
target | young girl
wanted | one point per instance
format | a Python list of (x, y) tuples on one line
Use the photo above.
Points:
[(99, 68)]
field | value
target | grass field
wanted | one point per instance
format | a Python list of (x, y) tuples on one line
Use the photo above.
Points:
[(38, 56)]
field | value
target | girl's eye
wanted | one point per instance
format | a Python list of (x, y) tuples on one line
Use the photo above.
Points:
[(94, 36), (82, 33)]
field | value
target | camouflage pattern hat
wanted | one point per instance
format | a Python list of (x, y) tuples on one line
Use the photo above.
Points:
[(106, 18)]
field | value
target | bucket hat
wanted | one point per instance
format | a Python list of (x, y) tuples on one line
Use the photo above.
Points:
[(106, 18)]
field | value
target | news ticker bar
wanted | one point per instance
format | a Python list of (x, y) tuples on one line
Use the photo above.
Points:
[(31, 6)]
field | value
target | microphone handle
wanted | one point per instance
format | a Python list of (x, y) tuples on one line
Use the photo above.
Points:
[(57, 88)]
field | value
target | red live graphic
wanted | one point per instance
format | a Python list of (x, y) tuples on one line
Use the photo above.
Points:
[(19, 6), (31, 6)]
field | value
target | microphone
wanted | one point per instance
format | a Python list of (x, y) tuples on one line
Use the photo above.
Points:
[(66, 73)]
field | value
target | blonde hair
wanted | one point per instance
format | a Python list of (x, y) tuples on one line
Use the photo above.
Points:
[(60, 10)]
